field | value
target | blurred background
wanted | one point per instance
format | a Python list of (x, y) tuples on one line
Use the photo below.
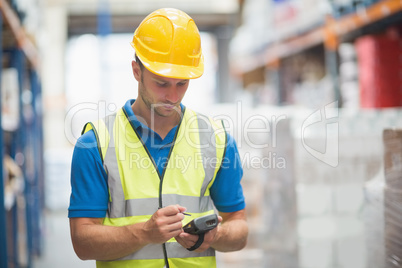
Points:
[(310, 89)]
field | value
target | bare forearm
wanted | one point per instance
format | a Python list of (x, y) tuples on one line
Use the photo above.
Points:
[(94, 241), (100, 242), (232, 233)]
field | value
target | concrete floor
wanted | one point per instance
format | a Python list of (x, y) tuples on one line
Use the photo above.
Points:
[(58, 250)]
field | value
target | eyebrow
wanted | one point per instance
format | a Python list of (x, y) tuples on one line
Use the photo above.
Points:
[(165, 81)]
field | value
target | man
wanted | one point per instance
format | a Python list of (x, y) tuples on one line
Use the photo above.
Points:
[(135, 173)]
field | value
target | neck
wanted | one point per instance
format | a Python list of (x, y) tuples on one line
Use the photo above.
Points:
[(160, 124)]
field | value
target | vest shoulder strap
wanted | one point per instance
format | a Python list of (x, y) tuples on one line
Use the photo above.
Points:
[(102, 141), (217, 128), (219, 131)]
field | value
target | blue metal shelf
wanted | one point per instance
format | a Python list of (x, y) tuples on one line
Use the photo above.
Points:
[(3, 237), (25, 146)]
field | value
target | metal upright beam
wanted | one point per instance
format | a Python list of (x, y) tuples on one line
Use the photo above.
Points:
[(104, 18), (18, 61), (331, 61), (104, 24), (3, 237), (224, 88), (35, 194), (273, 75), (331, 43)]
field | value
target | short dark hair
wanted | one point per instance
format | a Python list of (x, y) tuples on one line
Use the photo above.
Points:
[(139, 63)]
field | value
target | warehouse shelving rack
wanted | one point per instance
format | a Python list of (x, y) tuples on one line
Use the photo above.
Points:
[(3, 241), (333, 30), (24, 145), (329, 34)]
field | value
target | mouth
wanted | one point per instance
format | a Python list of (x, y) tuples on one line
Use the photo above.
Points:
[(169, 106)]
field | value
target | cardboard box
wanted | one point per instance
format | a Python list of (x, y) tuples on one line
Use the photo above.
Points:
[(392, 139)]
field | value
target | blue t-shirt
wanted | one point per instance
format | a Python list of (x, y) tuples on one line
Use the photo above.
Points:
[(89, 190)]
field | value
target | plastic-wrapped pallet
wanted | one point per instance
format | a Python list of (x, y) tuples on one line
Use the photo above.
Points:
[(393, 227), (374, 221), (393, 196), (280, 207)]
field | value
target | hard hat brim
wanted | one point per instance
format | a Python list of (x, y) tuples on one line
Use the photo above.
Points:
[(174, 70)]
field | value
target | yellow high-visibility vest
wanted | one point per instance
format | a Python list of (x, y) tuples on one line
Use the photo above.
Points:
[(137, 190)]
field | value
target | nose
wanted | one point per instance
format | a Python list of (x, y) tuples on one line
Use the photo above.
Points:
[(173, 95)]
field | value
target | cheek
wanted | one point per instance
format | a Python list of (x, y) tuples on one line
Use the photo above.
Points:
[(151, 91), (182, 92)]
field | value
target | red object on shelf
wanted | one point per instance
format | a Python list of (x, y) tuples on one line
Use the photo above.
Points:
[(380, 69)]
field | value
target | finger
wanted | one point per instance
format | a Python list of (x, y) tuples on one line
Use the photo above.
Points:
[(181, 208), (169, 210), (209, 236), (175, 233), (184, 243), (175, 226), (168, 223), (172, 210), (188, 236), (186, 240), (168, 218)]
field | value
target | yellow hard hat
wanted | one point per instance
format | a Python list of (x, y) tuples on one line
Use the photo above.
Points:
[(168, 44)]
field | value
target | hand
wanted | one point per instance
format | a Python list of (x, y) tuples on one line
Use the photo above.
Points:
[(188, 240), (164, 224)]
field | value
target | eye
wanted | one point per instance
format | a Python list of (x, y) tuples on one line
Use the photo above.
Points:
[(180, 84), (162, 84)]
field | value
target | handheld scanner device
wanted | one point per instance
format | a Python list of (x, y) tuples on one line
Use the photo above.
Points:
[(201, 225)]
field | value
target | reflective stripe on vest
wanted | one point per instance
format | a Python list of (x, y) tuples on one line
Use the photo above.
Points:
[(134, 181)]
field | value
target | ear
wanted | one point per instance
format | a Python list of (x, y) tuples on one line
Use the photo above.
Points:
[(136, 70)]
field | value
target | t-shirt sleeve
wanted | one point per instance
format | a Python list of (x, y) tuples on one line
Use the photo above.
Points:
[(89, 190), (226, 191)]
